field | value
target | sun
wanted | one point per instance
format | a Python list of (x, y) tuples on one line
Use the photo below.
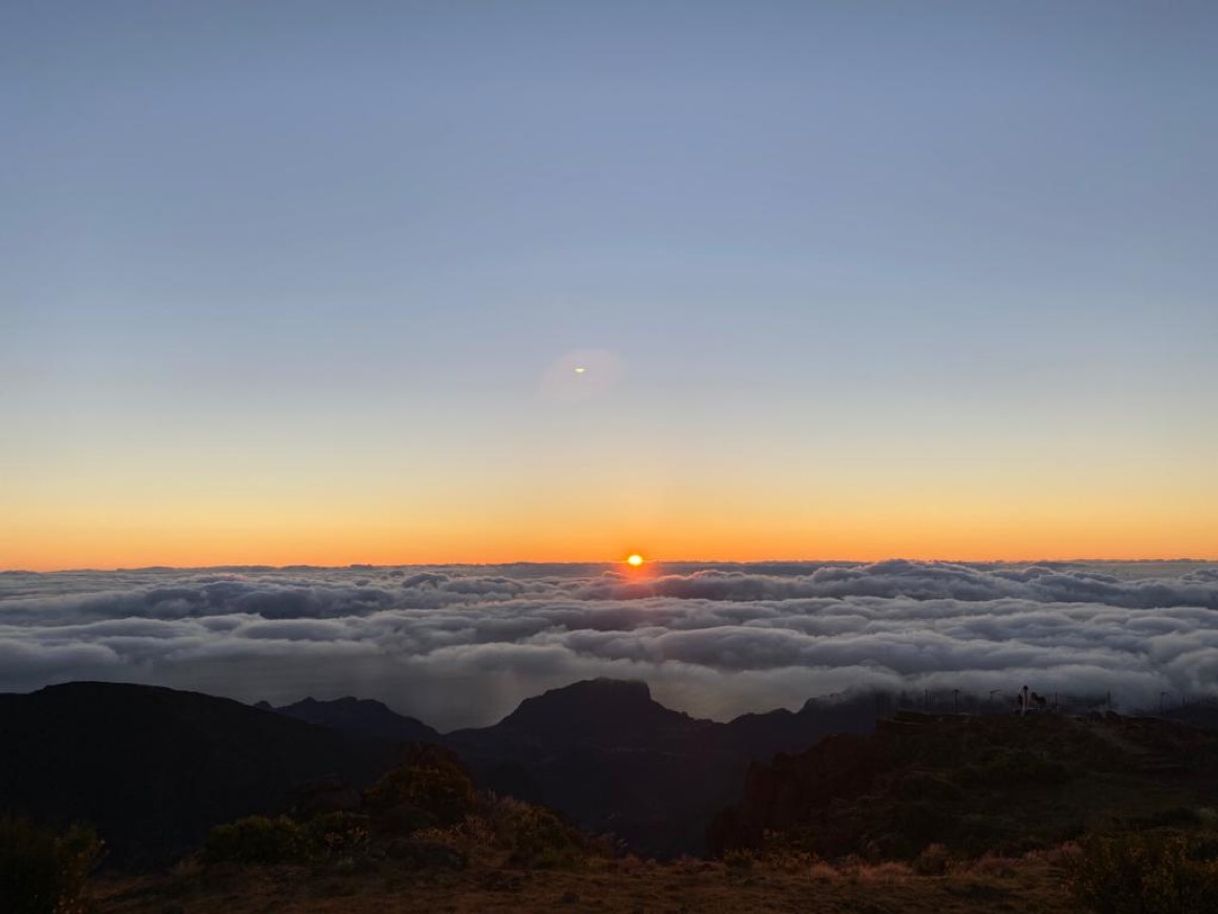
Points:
[(634, 560)]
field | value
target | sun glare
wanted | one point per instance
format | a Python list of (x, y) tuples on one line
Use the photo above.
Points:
[(634, 560)]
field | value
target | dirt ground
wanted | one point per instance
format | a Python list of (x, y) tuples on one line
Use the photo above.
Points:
[(1024, 885)]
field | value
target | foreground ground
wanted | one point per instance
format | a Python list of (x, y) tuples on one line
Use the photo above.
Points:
[(1031, 884)]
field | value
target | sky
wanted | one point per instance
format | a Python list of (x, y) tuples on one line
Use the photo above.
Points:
[(300, 282), (463, 646)]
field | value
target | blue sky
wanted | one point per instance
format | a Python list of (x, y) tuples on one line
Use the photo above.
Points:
[(262, 254)]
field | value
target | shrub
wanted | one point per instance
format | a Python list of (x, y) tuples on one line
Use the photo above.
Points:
[(1014, 769), (1147, 873), (42, 872), (256, 839), (779, 852), (535, 836), (336, 835), (932, 861), (416, 852), (1063, 856), (978, 833), (923, 786), (821, 871), (430, 789), (739, 860), (885, 873), (917, 824), (994, 865)]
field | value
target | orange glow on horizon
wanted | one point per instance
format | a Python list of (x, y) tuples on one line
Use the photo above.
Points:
[(58, 548), (79, 528)]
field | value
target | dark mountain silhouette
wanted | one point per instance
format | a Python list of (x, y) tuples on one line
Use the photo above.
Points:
[(360, 717), (613, 759), (610, 711), (761, 736), (154, 768), (606, 754), (973, 783)]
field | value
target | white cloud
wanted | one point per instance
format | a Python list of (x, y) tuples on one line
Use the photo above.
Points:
[(461, 646)]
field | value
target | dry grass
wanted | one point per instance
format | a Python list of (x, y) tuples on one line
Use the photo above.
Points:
[(1030, 884)]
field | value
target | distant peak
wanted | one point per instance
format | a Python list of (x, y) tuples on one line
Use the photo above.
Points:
[(361, 715), (632, 688), (595, 692), (604, 706)]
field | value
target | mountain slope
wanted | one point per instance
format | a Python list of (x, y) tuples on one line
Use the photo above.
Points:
[(154, 768), (613, 759), (974, 783)]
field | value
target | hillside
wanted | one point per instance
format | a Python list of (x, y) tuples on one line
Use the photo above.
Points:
[(975, 784), (422, 839), (154, 768)]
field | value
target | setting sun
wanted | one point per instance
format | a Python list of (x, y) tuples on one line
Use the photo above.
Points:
[(634, 560)]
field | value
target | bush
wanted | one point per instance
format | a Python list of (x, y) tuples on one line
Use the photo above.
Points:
[(739, 860), (1147, 873), (921, 786), (336, 835), (918, 824), (535, 836), (418, 853), (995, 866), (42, 872), (430, 789), (780, 854), (933, 861), (1014, 769), (256, 839)]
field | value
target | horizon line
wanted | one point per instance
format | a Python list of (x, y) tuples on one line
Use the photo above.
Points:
[(258, 566)]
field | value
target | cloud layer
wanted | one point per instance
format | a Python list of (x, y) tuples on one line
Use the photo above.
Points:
[(460, 646)]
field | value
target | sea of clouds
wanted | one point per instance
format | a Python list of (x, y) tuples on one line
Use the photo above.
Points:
[(461, 646)]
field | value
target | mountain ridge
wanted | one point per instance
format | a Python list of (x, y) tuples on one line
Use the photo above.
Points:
[(146, 761), (153, 768), (359, 716)]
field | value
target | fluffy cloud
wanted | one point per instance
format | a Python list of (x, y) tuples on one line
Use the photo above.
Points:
[(461, 646)]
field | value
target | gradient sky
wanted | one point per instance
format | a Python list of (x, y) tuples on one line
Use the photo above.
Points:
[(307, 282)]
